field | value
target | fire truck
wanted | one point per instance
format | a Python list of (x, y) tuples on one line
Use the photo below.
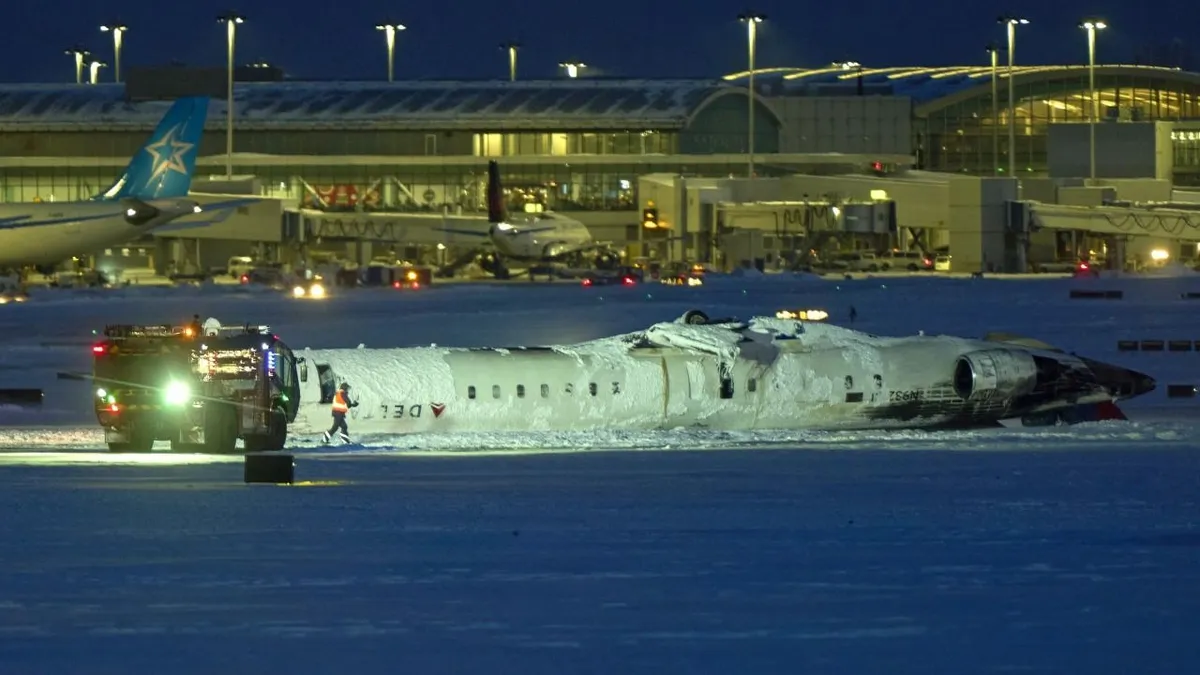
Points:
[(202, 390)]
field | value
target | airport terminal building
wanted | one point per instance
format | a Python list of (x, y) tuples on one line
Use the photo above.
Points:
[(350, 152)]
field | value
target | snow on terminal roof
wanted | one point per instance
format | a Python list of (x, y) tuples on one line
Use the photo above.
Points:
[(579, 103)]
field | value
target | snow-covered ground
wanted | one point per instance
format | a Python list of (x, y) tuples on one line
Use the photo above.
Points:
[(1069, 549)]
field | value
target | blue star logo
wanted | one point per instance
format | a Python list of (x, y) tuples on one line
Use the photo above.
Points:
[(168, 154)]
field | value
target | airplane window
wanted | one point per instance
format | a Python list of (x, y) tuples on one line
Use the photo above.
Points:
[(471, 392), (545, 391), (520, 391), (752, 385), (592, 388), (849, 382), (879, 382), (495, 391)]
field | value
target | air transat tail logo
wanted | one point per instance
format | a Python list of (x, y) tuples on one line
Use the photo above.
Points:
[(168, 154), (437, 408)]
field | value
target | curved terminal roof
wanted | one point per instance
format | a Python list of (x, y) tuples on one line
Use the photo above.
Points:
[(933, 85), (544, 105)]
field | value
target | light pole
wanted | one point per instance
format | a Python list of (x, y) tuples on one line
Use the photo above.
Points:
[(1091, 26), (94, 71), (80, 54), (389, 31), (511, 48), (573, 68), (994, 50), (1011, 23), (118, 31), (231, 20), (751, 20)]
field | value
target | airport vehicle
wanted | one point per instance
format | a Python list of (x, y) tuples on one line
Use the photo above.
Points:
[(311, 289), (765, 373), (198, 391)]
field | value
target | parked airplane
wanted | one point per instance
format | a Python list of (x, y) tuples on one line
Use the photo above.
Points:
[(528, 237), (150, 193), (766, 373)]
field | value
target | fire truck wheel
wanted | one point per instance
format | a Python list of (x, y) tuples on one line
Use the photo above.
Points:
[(275, 439), (220, 428)]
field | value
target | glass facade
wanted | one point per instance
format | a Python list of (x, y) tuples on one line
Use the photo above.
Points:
[(413, 188), (959, 137)]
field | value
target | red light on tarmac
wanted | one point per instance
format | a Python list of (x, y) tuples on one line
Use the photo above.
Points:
[(97, 349), (628, 281), (587, 282)]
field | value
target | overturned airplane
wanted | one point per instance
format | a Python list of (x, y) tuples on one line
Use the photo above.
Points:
[(765, 373)]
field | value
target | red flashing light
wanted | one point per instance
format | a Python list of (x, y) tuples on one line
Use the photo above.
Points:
[(1083, 267), (877, 166), (416, 284), (395, 284), (245, 278), (98, 349), (928, 262), (114, 408), (587, 282), (628, 281)]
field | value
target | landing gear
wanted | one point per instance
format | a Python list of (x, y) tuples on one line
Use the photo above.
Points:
[(220, 428), (694, 317)]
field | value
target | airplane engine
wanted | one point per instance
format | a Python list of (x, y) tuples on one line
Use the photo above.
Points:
[(555, 249), (994, 373), (139, 213)]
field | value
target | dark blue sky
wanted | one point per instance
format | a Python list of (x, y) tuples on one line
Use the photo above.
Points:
[(335, 39)]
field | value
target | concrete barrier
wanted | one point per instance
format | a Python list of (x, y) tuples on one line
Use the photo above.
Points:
[(273, 468), (1079, 293), (1158, 345), (1181, 391), (21, 397)]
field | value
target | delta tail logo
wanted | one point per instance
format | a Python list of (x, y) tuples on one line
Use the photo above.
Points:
[(168, 154), (437, 408)]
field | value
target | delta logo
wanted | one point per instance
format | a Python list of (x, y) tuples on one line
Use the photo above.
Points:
[(437, 408)]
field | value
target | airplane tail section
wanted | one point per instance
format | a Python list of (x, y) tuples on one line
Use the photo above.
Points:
[(163, 167), (495, 194)]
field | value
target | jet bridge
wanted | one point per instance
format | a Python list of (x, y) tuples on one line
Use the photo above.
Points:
[(1163, 221)]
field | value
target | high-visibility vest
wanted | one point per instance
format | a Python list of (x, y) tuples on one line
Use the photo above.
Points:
[(339, 403)]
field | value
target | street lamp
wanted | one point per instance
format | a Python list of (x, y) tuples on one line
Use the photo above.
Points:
[(1011, 23), (1091, 26), (389, 31), (118, 31), (80, 54), (994, 50), (94, 70), (511, 48), (231, 20), (751, 20), (573, 68)]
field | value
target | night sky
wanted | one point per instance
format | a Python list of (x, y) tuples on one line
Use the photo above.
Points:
[(622, 38)]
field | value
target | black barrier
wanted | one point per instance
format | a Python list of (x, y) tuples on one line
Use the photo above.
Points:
[(20, 397), (1152, 345), (1181, 391), (1158, 345), (1096, 295), (270, 468), (1179, 345), (1127, 345)]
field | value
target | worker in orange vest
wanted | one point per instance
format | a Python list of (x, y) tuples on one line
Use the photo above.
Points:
[(342, 403)]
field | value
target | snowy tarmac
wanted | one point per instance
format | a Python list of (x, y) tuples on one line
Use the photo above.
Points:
[(1049, 550), (746, 561)]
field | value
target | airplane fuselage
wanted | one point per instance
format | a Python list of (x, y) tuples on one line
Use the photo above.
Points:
[(869, 383), (48, 233), (546, 237)]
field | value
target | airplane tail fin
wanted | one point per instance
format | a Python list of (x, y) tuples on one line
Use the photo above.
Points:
[(164, 165), (495, 194)]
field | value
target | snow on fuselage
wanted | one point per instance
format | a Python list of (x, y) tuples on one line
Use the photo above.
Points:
[(816, 377)]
